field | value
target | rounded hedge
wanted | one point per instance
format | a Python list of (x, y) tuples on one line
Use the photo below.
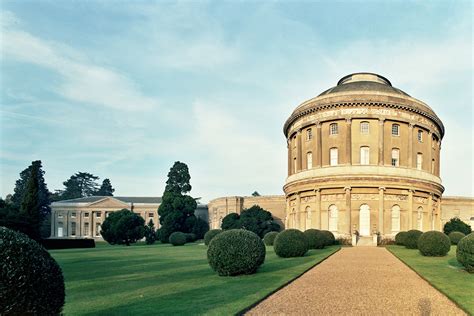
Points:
[(290, 243), (316, 238), (455, 237), (31, 281), (190, 237), (177, 239), (411, 238), (434, 244), (236, 251), (465, 252), (400, 238), (329, 238), (269, 238), (211, 234)]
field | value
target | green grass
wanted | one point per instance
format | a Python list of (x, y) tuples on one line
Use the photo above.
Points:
[(162, 279), (444, 273)]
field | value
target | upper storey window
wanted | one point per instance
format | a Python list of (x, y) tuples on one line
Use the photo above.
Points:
[(395, 130), (395, 157), (333, 129), (364, 127), (420, 135), (309, 134), (333, 156)]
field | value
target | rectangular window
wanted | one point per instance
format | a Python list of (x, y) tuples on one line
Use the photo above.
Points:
[(395, 157), (97, 229), (151, 214), (364, 128), (98, 214), (309, 160), (86, 215), (86, 229), (60, 215), (333, 156), (73, 215), (364, 155), (420, 136), (396, 130), (333, 130), (419, 161), (73, 228), (309, 134)]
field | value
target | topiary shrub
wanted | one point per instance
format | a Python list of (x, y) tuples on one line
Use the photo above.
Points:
[(329, 238), (411, 239), (290, 243), (236, 251), (316, 238), (190, 237), (177, 239), (455, 237), (400, 238), (269, 238), (456, 225), (465, 252), (434, 244), (211, 234), (31, 282)]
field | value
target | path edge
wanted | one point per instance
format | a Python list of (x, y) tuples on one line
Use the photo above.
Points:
[(246, 309), (428, 281)]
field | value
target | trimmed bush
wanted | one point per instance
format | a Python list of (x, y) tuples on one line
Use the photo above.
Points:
[(400, 238), (465, 252), (177, 239), (411, 239), (434, 244), (455, 237), (329, 238), (31, 282), (211, 234), (269, 238), (64, 243), (316, 238), (236, 251), (190, 237), (290, 243)]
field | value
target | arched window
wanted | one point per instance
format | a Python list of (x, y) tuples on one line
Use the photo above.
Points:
[(364, 127), (420, 135), (309, 160), (333, 157), (333, 218), (395, 219), (395, 157), (333, 130), (364, 155), (395, 130), (309, 134), (419, 161), (419, 219), (364, 220)]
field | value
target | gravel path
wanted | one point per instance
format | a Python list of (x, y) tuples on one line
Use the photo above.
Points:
[(358, 281)]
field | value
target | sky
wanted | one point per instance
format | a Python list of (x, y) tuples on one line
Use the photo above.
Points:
[(123, 89)]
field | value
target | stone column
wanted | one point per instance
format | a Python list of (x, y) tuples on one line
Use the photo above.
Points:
[(410, 145), (410, 209), (349, 141), (439, 223), (288, 145), (53, 223), (381, 209), (430, 211), (430, 151), (298, 211), (66, 234), (348, 209), (381, 142), (319, 145), (81, 231), (317, 214), (287, 213), (298, 151)]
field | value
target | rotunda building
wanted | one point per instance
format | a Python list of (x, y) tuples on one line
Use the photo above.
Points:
[(363, 159)]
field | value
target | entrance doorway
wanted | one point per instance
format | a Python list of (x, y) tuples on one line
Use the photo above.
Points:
[(364, 220)]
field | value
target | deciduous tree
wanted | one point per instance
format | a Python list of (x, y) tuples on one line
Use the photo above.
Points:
[(123, 227)]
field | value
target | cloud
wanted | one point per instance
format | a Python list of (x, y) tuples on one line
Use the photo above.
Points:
[(82, 81)]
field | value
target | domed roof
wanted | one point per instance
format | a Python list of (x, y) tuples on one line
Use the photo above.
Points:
[(364, 81), (362, 88)]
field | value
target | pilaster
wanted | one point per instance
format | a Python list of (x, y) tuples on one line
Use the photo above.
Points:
[(381, 211), (319, 145), (381, 142), (430, 211), (410, 145), (317, 215), (298, 211), (410, 209), (298, 151), (349, 141), (348, 209)]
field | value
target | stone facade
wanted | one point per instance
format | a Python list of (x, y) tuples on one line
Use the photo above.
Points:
[(82, 218)]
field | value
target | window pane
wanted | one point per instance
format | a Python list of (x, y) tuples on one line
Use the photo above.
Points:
[(364, 128), (364, 155), (395, 130), (333, 130), (309, 134), (333, 157)]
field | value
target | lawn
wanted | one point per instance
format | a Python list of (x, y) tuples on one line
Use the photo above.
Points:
[(162, 279), (444, 273)]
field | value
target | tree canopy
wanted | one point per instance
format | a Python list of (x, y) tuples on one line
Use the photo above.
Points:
[(105, 189), (255, 219), (123, 227), (80, 184), (457, 225)]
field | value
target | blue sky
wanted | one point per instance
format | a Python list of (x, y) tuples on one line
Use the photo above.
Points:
[(122, 89)]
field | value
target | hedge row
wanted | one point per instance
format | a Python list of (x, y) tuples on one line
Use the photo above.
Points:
[(64, 243)]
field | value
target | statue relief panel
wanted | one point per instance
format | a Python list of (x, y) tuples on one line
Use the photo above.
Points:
[(332, 197), (364, 196), (395, 197), (420, 200), (307, 199)]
